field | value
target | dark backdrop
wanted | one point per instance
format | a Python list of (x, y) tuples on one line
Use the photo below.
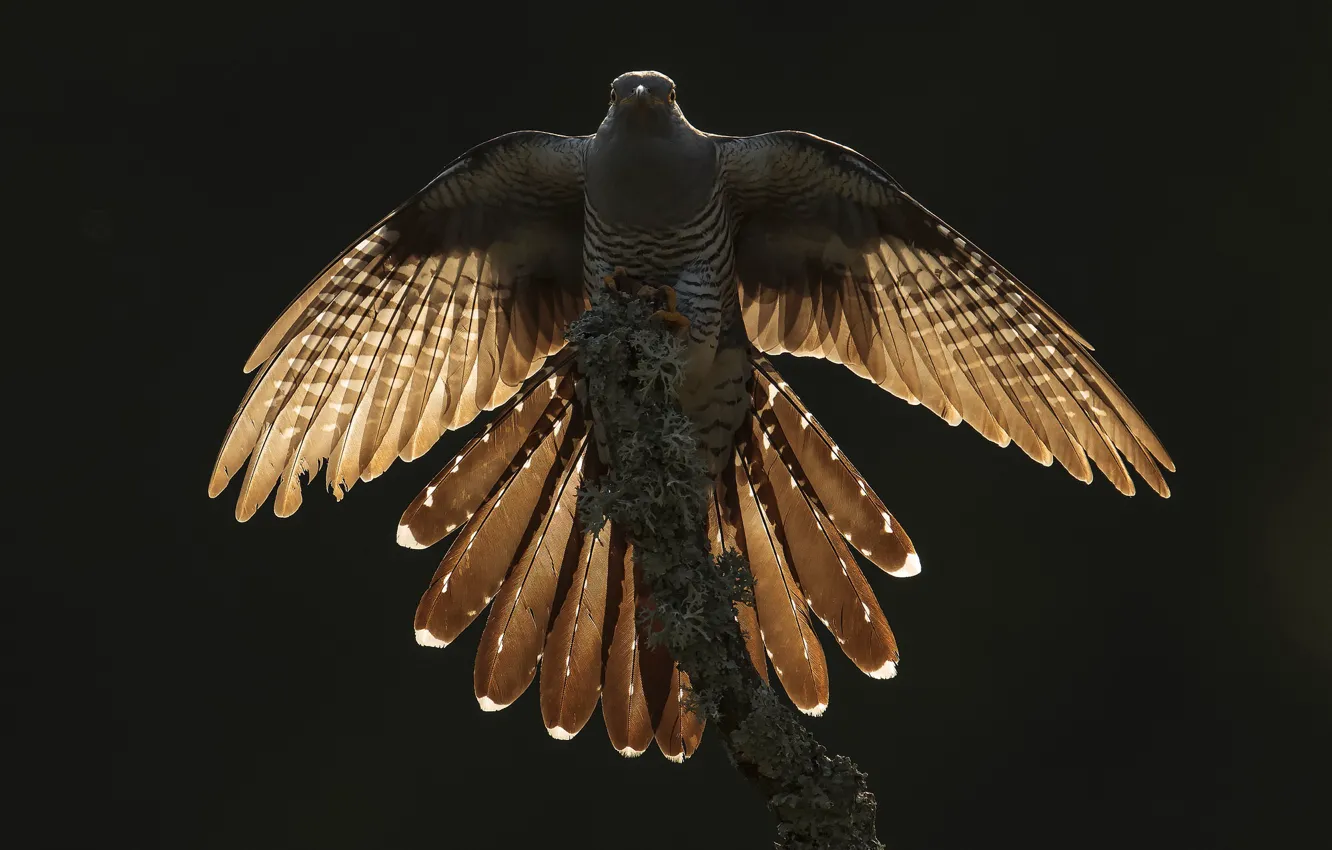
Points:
[(1079, 668)]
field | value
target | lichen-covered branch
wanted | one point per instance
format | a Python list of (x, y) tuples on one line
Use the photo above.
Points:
[(658, 488)]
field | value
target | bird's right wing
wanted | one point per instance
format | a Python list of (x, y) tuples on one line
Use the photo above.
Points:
[(437, 313)]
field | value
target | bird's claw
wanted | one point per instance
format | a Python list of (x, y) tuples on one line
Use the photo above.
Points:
[(612, 280), (653, 292), (664, 297), (671, 318)]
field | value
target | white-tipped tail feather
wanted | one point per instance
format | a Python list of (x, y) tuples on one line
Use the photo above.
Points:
[(908, 569), (425, 638), (887, 671), (406, 539), (805, 490)]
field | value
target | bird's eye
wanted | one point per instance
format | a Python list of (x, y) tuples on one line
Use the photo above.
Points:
[(612, 96), (670, 98)]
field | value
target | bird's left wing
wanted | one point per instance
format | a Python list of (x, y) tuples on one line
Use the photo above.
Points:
[(435, 314), (835, 260)]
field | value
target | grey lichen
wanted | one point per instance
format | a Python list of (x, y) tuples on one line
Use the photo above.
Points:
[(657, 487)]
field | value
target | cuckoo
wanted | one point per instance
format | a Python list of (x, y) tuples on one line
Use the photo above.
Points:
[(457, 303)]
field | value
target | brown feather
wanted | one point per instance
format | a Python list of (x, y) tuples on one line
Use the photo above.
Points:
[(825, 230), (783, 616), (401, 336), (895, 335), (476, 564), (849, 502), (1021, 411), (455, 493), (722, 534), (623, 705), (908, 278), (304, 365), (507, 656), (825, 569), (655, 663), (679, 730), (572, 670), (370, 362), (861, 344)]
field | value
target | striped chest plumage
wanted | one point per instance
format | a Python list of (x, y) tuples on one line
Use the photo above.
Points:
[(697, 258), (695, 255)]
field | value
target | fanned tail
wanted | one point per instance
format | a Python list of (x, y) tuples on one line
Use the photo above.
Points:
[(576, 605), (796, 508), (560, 599)]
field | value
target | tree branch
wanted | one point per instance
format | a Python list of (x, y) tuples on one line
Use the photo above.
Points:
[(658, 489)]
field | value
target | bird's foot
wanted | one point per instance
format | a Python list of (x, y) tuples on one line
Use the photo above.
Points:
[(612, 280), (655, 293), (674, 320)]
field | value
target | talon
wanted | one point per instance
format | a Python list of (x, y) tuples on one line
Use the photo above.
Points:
[(669, 291), (672, 319), (612, 280)]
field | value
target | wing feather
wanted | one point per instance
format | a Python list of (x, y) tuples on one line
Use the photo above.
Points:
[(437, 313), (922, 312)]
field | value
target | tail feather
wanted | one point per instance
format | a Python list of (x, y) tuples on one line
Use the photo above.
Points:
[(826, 570), (854, 509), (568, 602), (678, 731), (476, 564), (511, 645), (623, 705), (722, 533), (489, 460), (783, 612), (572, 670)]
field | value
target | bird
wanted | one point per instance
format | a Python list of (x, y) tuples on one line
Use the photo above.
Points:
[(456, 303)]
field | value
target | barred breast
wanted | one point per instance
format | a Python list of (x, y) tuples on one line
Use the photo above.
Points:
[(697, 258)]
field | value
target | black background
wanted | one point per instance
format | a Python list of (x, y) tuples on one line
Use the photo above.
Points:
[(1079, 668)]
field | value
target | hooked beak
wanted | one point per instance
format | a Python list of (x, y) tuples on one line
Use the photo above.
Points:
[(640, 96)]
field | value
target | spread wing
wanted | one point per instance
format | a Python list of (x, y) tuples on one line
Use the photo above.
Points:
[(835, 260), (438, 312)]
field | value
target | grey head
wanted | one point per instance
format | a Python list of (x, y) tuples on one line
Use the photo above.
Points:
[(643, 103), (647, 164)]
